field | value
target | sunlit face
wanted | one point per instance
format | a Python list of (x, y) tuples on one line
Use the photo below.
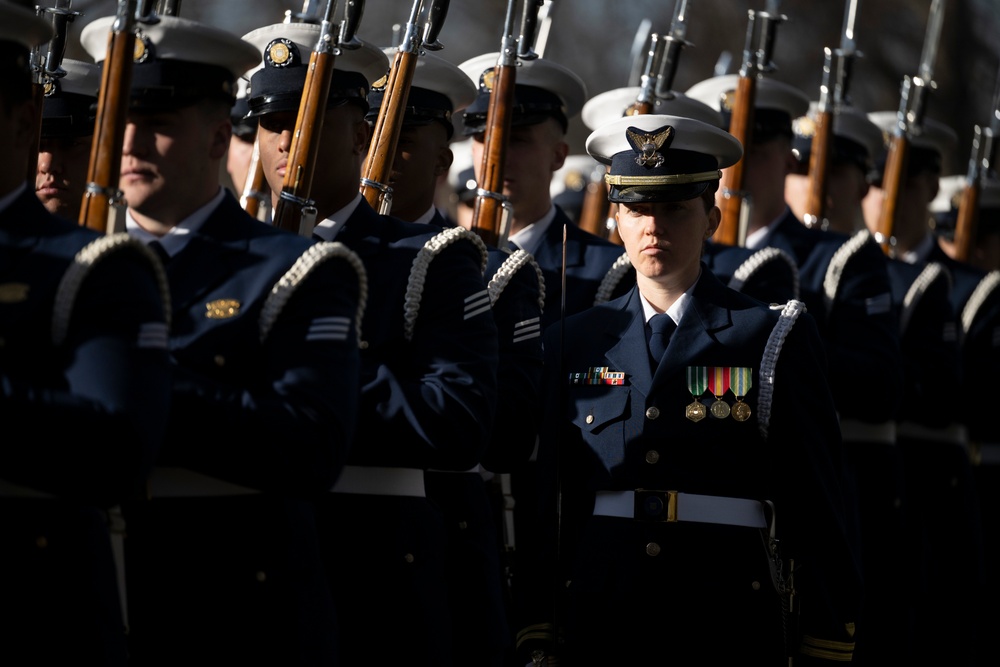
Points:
[(664, 240), (533, 154), (170, 159), (845, 188), (342, 143), (61, 178)]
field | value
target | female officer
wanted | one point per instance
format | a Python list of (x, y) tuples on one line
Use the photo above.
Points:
[(694, 481)]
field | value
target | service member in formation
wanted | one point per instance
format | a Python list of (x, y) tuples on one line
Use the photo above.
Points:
[(68, 113), (547, 96), (429, 365), (481, 633), (936, 439), (222, 554), (84, 389), (768, 274), (702, 508), (891, 534)]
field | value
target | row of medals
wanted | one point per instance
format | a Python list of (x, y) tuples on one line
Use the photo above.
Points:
[(720, 410)]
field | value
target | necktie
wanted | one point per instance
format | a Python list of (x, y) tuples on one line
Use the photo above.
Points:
[(659, 329)]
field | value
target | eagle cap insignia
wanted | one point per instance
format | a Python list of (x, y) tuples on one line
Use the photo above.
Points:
[(649, 144), (222, 309), (280, 52)]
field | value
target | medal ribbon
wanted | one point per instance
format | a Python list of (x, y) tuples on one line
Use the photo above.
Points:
[(697, 379), (718, 380), (740, 380)]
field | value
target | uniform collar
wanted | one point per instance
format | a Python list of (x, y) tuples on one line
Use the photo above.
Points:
[(529, 238), (329, 228), (177, 237)]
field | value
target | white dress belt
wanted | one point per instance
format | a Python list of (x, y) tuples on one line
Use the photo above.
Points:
[(852, 430), (671, 506), (381, 481), (170, 482), (954, 434)]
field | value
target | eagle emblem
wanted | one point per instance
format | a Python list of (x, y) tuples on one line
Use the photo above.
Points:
[(649, 144)]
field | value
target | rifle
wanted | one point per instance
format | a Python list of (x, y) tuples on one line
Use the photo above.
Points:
[(980, 164), (819, 152), (761, 31), (46, 67), (295, 211), (168, 8), (491, 215), (102, 200), (909, 118), (389, 124), (671, 56)]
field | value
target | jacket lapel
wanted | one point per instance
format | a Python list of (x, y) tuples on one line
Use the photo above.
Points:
[(629, 352), (699, 327)]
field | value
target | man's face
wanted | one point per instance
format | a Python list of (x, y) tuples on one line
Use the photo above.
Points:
[(422, 155), (61, 177), (845, 188), (664, 240), (765, 166), (534, 153), (167, 157), (339, 150)]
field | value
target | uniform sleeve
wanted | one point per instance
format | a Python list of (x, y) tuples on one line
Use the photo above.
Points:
[(517, 313), (862, 339), (96, 428), (287, 423), (429, 402), (812, 509)]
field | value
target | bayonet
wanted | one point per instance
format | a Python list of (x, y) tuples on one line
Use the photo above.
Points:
[(544, 27), (353, 11), (646, 99), (168, 7), (436, 15), (309, 13), (674, 43), (639, 43), (529, 24)]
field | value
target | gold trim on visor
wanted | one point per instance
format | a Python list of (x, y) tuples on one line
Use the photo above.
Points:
[(667, 179)]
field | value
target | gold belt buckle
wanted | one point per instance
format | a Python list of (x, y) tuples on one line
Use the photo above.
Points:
[(658, 506)]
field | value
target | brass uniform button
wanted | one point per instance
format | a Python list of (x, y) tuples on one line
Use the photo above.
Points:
[(261, 576), (590, 419), (652, 412), (755, 585), (219, 360), (462, 525), (41, 542), (653, 549), (408, 558), (652, 456)]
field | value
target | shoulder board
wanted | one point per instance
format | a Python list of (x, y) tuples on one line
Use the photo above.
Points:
[(612, 278), (84, 262), (511, 265), (754, 262), (983, 290), (789, 313), (831, 282), (418, 271), (307, 262), (931, 272)]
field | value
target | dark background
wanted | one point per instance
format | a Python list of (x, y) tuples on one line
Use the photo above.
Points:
[(594, 38)]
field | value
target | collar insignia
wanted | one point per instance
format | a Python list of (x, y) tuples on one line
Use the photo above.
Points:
[(222, 309)]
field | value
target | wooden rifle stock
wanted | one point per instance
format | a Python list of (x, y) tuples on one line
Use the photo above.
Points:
[(892, 183), (819, 165), (487, 219), (109, 128), (385, 136), (297, 185), (740, 126), (968, 219)]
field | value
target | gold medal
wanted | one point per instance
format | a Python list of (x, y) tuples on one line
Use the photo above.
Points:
[(695, 411), (720, 409), (741, 411)]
